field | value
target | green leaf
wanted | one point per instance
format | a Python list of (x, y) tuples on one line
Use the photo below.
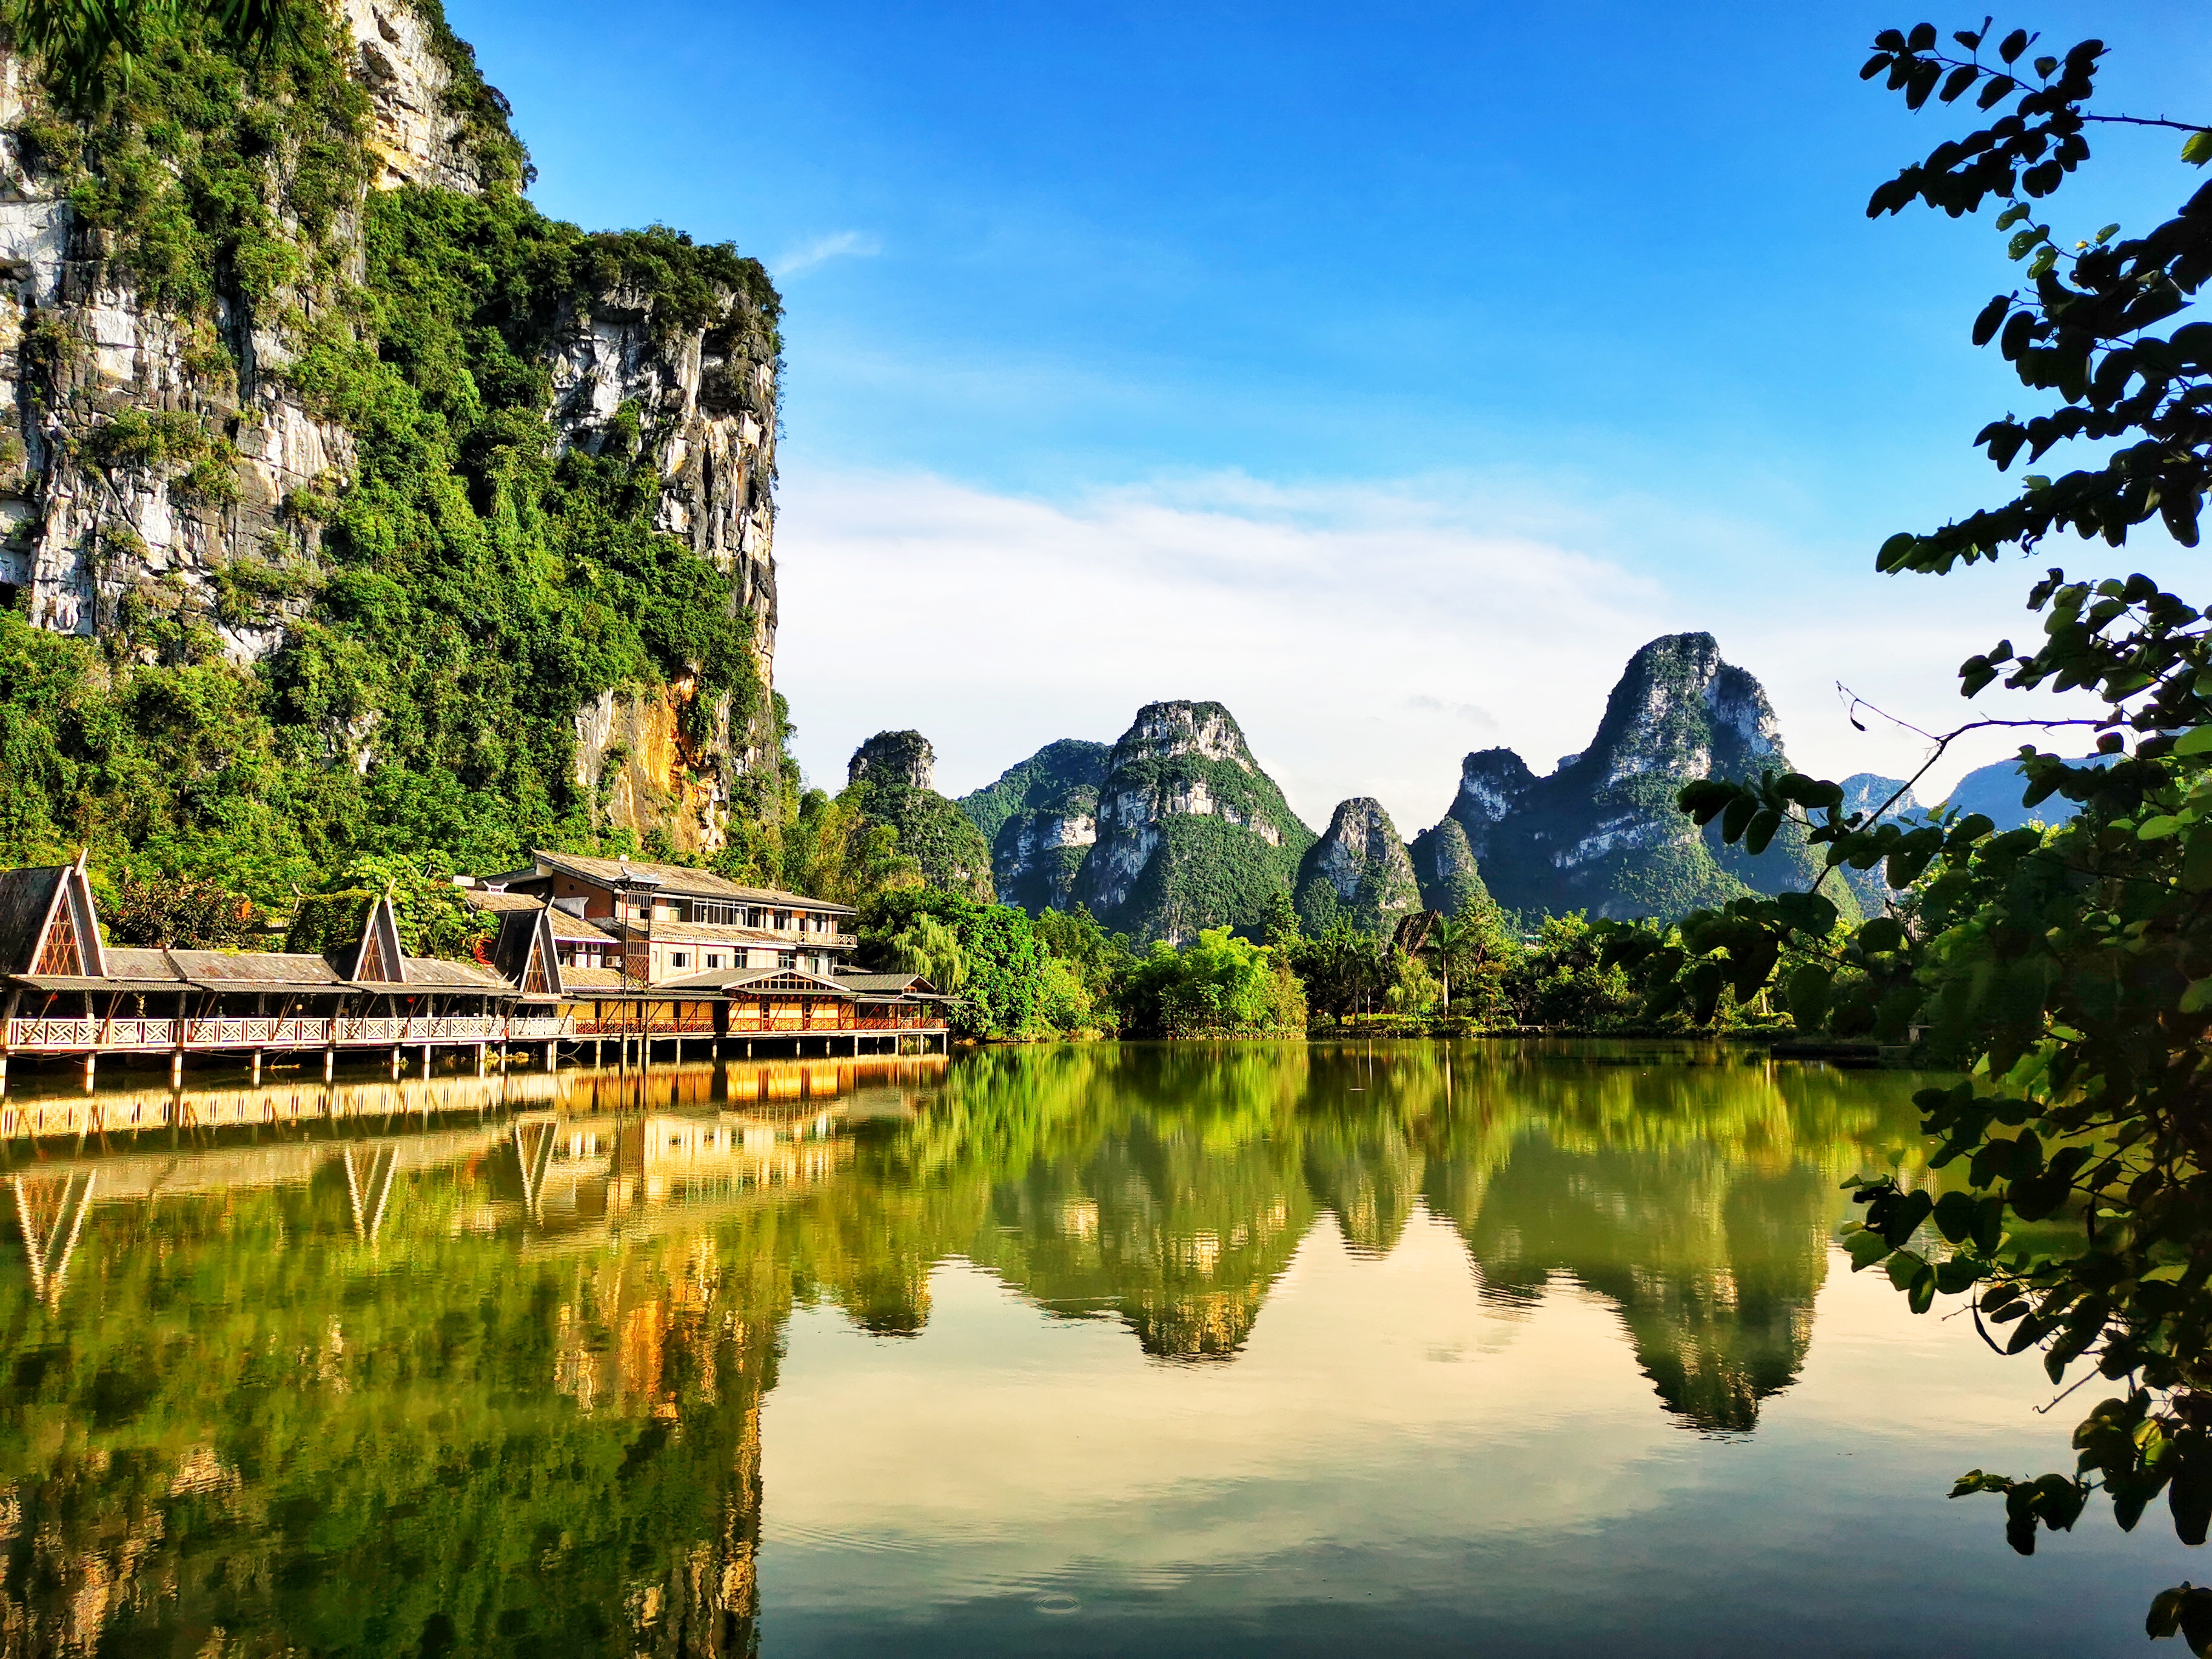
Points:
[(2158, 828), (2197, 998), (1865, 1247), (2197, 149), (2197, 740)]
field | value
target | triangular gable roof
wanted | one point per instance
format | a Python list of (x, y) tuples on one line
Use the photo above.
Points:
[(48, 924), (526, 954), (378, 960)]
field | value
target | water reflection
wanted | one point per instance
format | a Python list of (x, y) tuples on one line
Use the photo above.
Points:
[(493, 1382)]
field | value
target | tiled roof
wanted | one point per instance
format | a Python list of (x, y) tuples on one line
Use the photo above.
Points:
[(567, 924), (679, 878), (731, 979), (590, 979), (25, 896), (715, 933), (893, 984)]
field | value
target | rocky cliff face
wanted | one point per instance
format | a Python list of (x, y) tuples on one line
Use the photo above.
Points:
[(181, 451), (890, 776), (903, 759), (1445, 865), (1601, 833), (1041, 817), (1191, 833), (1359, 872)]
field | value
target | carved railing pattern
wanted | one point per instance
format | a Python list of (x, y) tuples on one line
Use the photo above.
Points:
[(27, 1036)]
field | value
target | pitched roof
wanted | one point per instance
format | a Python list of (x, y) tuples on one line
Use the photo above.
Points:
[(526, 953), (26, 898), (277, 969), (716, 932), (566, 924), (895, 984), (676, 878), (48, 919), (760, 979)]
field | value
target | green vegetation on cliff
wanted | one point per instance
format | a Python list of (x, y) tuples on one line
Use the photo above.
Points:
[(476, 587)]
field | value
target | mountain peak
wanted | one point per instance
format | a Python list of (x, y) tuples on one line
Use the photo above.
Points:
[(1168, 731), (905, 758), (1358, 871)]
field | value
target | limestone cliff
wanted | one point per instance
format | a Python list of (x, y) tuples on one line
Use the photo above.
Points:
[(1359, 873), (890, 785), (1601, 832), (1191, 833), (211, 353), (1444, 865), (1041, 817)]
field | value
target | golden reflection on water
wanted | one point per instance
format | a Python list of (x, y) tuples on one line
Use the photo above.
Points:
[(478, 1364)]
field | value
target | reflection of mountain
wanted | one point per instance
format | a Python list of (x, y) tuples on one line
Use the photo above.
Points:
[(477, 1386)]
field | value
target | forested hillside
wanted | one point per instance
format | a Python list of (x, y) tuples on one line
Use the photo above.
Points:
[(355, 506)]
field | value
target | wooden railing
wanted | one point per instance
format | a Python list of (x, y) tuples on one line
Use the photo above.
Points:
[(75, 1035), (340, 1031)]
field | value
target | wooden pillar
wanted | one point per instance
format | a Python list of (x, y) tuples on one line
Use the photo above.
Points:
[(426, 1060), (91, 1065), (3, 1072), (551, 1060), (395, 1061), (330, 1063), (257, 1068), (480, 1059), (176, 1068)]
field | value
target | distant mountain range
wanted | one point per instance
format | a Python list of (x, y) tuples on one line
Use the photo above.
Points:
[(1175, 827)]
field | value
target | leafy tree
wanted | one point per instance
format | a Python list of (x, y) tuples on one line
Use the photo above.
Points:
[(1342, 969), (1217, 986), (1563, 980), (1480, 948), (191, 913), (86, 43), (2068, 970), (1098, 959)]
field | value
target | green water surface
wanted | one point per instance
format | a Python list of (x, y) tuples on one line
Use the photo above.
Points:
[(1484, 1348)]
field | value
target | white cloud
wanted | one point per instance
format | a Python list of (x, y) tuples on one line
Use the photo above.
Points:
[(1366, 635), (843, 245)]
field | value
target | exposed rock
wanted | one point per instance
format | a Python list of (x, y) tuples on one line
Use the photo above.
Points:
[(1445, 866), (1602, 832), (1864, 791), (218, 527), (1492, 782), (902, 758), (1041, 818), (417, 139), (1190, 832), (1357, 873), (890, 784)]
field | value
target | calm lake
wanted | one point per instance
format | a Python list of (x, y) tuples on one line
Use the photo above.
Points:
[(1153, 1350)]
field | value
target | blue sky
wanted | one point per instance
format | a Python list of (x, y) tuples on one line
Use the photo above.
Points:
[(1387, 372)]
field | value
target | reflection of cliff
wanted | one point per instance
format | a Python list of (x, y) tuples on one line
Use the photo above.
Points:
[(1173, 1185), (497, 1387)]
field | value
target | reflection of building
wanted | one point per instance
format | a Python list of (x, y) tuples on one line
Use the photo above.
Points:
[(559, 1443)]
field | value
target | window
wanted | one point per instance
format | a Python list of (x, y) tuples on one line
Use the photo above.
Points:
[(679, 958), (720, 915), (713, 961)]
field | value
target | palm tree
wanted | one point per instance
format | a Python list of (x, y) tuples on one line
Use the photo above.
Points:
[(1447, 936)]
